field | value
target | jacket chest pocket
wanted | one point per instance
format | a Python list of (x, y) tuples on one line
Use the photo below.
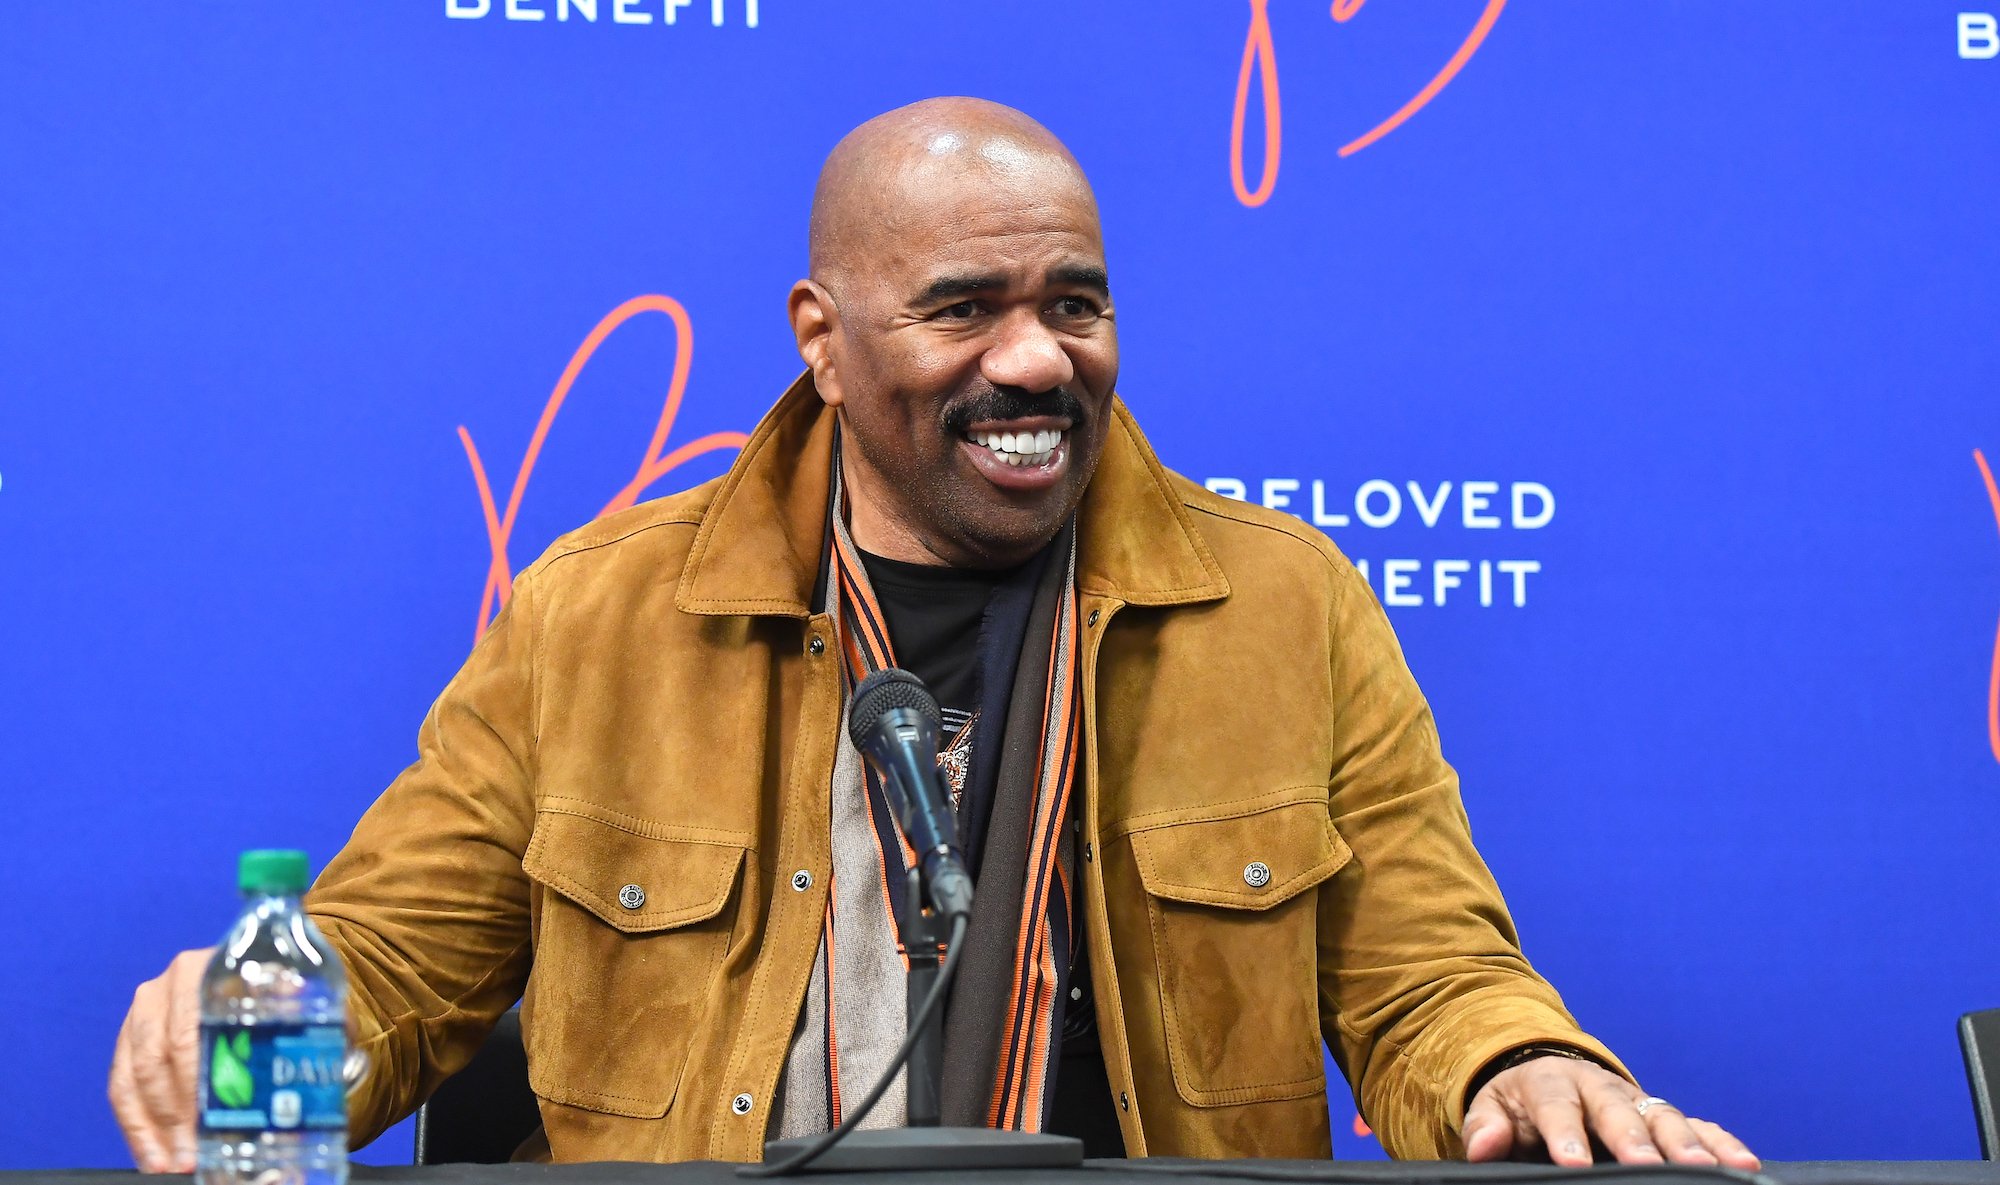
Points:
[(629, 941), (1236, 944)]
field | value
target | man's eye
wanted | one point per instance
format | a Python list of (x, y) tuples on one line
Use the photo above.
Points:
[(1075, 306), (961, 311)]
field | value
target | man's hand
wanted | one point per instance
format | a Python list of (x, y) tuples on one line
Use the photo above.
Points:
[(1556, 1104), (152, 1070)]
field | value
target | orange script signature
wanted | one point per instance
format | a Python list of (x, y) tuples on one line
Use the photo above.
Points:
[(652, 467), (1260, 56)]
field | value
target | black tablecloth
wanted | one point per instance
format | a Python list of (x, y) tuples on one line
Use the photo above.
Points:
[(1152, 1172)]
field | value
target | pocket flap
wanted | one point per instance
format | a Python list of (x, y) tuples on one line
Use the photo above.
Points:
[(633, 874), (1252, 854)]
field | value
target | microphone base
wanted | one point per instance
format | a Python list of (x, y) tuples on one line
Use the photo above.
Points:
[(895, 1149)]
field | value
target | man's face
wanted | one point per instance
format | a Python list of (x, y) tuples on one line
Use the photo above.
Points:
[(974, 359)]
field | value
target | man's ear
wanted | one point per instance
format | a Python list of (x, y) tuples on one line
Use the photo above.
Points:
[(814, 322)]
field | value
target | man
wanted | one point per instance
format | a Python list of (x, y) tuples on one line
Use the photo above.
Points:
[(1201, 794)]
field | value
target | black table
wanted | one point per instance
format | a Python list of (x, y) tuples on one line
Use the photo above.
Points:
[(1152, 1172)]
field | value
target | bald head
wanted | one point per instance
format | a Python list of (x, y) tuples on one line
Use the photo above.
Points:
[(903, 167)]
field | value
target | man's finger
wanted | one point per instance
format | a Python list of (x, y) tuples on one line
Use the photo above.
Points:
[(183, 1038), (1617, 1122), (1676, 1138), (1556, 1109), (1726, 1147), (168, 1106), (141, 1135), (1488, 1130), (152, 1083)]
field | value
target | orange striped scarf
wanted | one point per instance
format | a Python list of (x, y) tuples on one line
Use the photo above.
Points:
[(1004, 1028)]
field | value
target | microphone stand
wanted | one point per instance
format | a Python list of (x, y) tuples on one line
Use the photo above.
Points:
[(924, 1144), (924, 936)]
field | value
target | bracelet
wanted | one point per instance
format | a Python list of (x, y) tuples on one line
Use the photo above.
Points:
[(1520, 1056)]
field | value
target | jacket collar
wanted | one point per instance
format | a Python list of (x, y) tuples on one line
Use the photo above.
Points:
[(758, 549)]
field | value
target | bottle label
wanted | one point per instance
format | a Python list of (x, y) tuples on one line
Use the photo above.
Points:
[(276, 1077)]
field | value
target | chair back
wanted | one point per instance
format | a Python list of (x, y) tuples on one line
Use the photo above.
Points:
[(1979, 1041), (482, 1113)]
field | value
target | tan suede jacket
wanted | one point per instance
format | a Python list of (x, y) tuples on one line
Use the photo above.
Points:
[(657, 707)]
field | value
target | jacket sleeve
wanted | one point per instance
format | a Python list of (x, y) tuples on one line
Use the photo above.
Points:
[(427, 904), (1422, 979)]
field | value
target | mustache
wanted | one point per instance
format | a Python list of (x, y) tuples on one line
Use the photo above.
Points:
[(993, 402)]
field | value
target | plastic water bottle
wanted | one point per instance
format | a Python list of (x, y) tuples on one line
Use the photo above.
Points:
[(273, 1104)]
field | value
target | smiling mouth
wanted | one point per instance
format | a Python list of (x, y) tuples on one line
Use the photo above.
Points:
[(1025, 450)]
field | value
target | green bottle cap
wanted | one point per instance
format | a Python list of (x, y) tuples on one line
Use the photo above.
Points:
[(272, 871)]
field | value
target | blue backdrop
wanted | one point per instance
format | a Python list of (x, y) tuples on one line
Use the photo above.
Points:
[(1712, 284)]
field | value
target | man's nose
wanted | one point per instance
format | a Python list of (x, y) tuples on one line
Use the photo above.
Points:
[(1026, 355)]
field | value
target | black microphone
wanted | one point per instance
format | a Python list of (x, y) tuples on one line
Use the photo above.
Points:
[(894, 721)]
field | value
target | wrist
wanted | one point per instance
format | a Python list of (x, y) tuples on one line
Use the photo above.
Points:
[(1521, 1055)]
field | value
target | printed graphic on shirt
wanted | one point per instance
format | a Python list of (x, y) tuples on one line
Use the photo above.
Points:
[(955, 759)]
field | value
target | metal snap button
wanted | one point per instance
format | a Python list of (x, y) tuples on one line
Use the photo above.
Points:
[(802, 880), (741, 1104), (1257, 874), (631, 896), (1093, 618), (1076, 993), (1124, 1104), (817, 646)]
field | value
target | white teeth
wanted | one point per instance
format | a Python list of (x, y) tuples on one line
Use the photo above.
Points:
[(1020, 448)]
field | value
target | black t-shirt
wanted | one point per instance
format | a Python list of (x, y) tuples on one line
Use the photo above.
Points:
[(934, 615)]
